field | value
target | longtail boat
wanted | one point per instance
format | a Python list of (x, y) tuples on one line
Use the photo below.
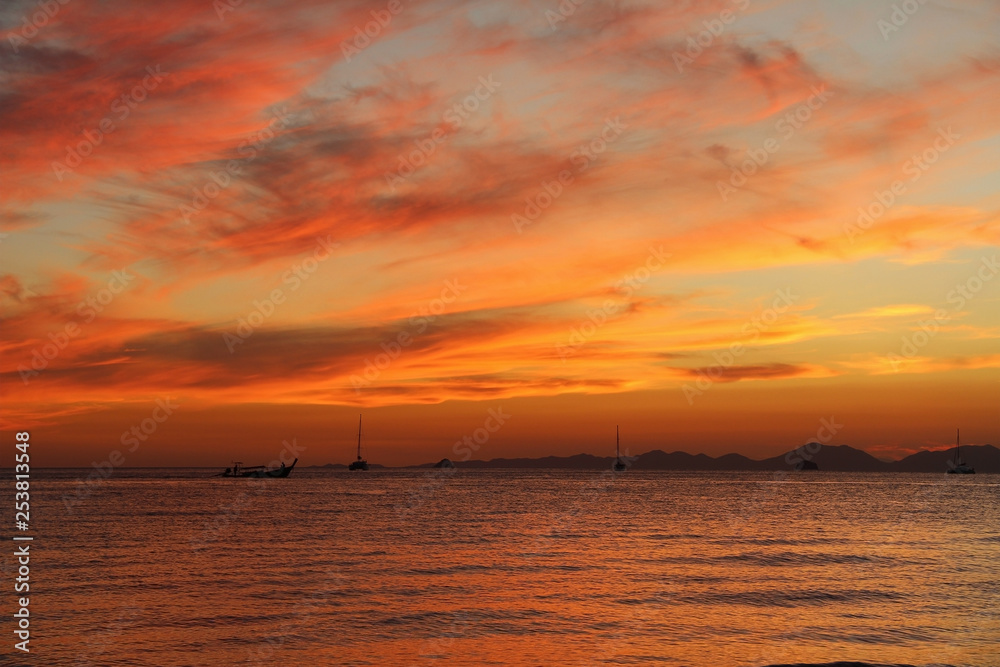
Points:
[(240, 470)]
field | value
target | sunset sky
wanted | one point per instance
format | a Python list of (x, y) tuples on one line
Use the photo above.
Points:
[(644, 214)]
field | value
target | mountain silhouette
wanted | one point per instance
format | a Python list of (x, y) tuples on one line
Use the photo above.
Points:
[(832, 458), (984, 458)]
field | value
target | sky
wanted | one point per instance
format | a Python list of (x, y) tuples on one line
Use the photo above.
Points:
[(724, 225)]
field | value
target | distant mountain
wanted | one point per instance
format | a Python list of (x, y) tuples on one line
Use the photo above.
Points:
[(660, 460), (826, 457), (343, 466), (984, 458), (833, 458), (576, 462)]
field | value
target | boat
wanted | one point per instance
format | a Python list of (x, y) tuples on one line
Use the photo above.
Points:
[(240, 470), (958, 466), (619, 464), (360, 463)]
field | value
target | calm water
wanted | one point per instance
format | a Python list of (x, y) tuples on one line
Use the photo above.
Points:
[(511, 567)]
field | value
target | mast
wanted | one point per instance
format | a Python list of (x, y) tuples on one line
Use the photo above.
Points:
[(618, 455), (359, 437), (958, 446)]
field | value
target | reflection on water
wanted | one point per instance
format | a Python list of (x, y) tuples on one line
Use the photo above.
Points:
[(517, 567)]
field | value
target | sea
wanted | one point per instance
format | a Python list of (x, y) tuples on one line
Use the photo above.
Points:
[(511, 567)]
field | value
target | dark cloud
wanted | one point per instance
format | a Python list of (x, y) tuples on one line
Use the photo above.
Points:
[(736, 373)]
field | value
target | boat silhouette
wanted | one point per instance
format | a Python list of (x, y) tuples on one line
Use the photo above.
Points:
[(958, 466), (239, 470), (618, 465), (360, 463)]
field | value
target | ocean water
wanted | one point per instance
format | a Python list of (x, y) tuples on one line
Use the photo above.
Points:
[(418, 567)]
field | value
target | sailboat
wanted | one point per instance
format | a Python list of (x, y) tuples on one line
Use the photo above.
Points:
[(360, 463), (619, 465), (958, 467)]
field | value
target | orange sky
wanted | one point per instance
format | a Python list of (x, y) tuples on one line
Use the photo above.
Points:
[(715, 229)]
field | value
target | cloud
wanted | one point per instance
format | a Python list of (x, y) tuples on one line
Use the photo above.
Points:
[(771, 371)]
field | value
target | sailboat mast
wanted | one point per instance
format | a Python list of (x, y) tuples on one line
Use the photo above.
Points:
[(359, 437), (617, 450), (958, 445)]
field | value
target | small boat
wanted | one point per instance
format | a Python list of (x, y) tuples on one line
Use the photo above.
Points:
[(619, 464), (360, 463), (239, 470), (958, 466)]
